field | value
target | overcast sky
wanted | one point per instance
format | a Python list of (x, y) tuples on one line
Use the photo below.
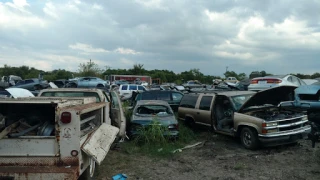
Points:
[(278, 36)]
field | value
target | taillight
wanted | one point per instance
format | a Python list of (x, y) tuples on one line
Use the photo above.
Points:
[(173, 126), (274, 81), (65, 117), (254, 81)]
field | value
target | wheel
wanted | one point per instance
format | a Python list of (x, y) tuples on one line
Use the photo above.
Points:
[(190, 122), (249, 138)]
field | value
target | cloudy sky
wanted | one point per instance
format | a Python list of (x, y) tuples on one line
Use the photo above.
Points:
[(277, 36)]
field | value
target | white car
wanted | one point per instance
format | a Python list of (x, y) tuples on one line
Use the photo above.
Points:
[(262, 83), (126, 89)]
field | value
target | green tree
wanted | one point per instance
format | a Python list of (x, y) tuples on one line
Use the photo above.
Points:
[(89, 69)]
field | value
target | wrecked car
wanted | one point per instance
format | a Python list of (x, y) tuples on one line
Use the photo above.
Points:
[(146, 112), (173, 98), (307, 98), (91, 82), (254, 117), (15, 93), (32, 84)]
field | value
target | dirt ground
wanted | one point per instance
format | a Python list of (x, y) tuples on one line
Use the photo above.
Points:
[(218, 158)]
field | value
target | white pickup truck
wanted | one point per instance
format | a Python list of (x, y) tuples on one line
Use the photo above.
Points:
[(114, 112), (53, 137)]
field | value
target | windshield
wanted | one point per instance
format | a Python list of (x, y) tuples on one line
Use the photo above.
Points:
[(239, 100), (71, 94), (151, 110)]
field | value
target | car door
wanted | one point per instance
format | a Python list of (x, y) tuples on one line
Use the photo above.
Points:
[(117, 116), (204, 109), (83, 82)]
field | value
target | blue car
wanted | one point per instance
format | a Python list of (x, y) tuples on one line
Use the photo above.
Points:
[(91, 82)]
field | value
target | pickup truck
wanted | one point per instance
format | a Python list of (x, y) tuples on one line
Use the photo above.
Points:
[(114, 112), (254, 117), (53, 138)]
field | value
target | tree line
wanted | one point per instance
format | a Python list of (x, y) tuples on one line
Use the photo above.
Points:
[(92, 69)]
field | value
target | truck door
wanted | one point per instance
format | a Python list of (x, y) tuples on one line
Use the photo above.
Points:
[(118, 118), (204, 109)]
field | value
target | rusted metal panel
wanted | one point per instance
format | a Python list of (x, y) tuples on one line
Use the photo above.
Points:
[(29, 147), (98, 143), (40, 173), (86, 107)]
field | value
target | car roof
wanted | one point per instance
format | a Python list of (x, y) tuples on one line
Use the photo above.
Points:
[(70, 89), (226, 93), (153, 102)]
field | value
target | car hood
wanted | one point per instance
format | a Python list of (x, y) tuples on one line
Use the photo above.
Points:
[(19, 92), (145, 120), (270, 96)]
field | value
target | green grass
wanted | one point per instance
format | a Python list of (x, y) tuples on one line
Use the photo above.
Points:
[(151, 141)]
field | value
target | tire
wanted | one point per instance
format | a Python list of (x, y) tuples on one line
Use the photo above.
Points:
[(190, 122), (249, 138)]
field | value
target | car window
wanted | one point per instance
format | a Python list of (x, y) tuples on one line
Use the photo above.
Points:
[(132, 87), (148, 96), (124, 87), (290, 79), (29, 81), (205, 103), (189, 101), (115, 102), (295, 81), (176, 96), (164, 96), (140, 88)]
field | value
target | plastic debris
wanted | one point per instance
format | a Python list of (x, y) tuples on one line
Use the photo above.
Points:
[(120, 177), (187, 147)]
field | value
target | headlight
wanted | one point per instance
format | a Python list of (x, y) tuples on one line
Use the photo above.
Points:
[(269, 124)]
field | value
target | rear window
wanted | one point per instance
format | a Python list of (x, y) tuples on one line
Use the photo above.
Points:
[(132, 87), (71, 94), (124, 87), (205, 103), (189, 101)]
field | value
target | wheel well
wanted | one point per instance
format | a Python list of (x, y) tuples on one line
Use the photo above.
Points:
[(189, 118), (100, 85), (243, 126)]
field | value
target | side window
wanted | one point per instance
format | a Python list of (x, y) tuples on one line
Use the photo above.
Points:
[(132, 87), (164, 96), (176, 96), (205, 103), (29, 81), (189, 101), (124, 87), (295, 81), (140, 88)]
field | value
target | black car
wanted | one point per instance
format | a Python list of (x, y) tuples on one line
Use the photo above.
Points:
[(172, 97)]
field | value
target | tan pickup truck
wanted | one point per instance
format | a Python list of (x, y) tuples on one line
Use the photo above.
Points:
[(254, 117)]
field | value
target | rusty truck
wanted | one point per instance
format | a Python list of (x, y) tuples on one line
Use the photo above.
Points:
[(53, 137)]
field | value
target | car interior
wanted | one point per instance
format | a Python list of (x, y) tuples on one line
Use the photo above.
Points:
[(223, 114)]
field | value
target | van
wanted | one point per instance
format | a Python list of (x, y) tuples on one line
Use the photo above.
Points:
[(126, 89)]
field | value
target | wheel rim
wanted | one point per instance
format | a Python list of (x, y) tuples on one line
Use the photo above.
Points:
[(247, 138)]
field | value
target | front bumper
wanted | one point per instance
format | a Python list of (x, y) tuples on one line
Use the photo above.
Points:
[(166, 133), (284, 137)]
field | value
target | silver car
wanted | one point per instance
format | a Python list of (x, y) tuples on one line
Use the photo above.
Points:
[(262, 83), (91, 82)]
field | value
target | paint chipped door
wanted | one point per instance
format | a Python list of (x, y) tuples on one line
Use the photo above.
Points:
[(118, 118)]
